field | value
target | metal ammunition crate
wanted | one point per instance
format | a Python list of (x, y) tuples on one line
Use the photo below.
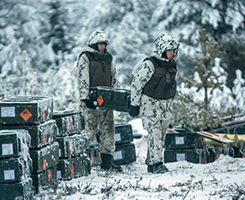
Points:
[(19, 190), (124, 154), (45, 157), (12, 142), (110, 98), (69, 122), (183, 140), (44, 180), (212, 153), (73, 167), (41, 134), (94, 155), (14, 169), (225, 151), (193, 155), (73, 145), (26, 110), (123, 133)]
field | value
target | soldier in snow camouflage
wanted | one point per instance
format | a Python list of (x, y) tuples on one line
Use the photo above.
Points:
[(152, 91), (95, 68)]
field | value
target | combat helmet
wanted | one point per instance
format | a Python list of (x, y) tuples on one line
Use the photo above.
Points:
[(165, 42), (98, 37)]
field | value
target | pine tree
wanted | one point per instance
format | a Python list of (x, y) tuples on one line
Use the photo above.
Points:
[(206, 81), (239, 90)]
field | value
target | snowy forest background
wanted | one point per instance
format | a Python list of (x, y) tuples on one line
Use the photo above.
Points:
[(41, 41)]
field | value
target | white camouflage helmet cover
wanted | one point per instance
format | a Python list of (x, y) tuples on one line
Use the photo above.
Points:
[(97, 37), (165, 42)]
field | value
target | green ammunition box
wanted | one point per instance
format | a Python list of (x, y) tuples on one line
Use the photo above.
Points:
[(110, 98), (212, 153), (123, 133), (65, 169), (82, 166), (13, 142), (82, 121), (225, 151), (45, 157), (41, 134), (44, 180), (19, 190), (73, 167), (191, 155), (26, 110), (14, 169), (94, 155), (183, 140), (68, 122), (73, 145), (124, 154)]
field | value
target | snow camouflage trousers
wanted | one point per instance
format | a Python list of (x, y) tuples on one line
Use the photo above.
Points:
[(103, 119), (156, 129)]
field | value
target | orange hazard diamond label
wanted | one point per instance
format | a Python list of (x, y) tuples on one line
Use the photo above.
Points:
[(100, 100), (44, 115), (45, 139), (72, 169), (44, 164), (68, 125), (71, 148), (49, 175), (26, 114)]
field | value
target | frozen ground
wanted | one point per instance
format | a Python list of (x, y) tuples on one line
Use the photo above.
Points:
[(222, 179)]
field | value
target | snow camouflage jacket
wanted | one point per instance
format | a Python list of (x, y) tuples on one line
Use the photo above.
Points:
[(151, 107), (83, 65)]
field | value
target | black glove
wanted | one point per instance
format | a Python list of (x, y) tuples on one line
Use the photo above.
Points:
[(134, 111), (89, 103)]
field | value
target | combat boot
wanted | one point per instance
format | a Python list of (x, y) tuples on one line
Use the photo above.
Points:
[(157, 168), (107, 163)]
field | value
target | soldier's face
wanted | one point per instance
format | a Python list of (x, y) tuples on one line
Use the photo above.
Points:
[(170, 54), (101, 47)]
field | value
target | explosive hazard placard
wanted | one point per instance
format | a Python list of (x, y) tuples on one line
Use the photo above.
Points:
[(26, 114)]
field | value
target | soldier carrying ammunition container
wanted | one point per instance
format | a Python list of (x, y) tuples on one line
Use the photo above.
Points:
[(152, 90), (95, 68)]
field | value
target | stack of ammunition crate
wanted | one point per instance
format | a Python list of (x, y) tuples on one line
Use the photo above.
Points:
[(110, 98), (74, 161), (15, 164), (186, 146), (34, 114), (125, 149)]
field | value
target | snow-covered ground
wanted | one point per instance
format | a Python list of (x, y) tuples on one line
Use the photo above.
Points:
[(218, 180)]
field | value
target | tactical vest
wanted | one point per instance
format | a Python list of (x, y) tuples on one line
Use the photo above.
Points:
[(162, 84), (99, 69)]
